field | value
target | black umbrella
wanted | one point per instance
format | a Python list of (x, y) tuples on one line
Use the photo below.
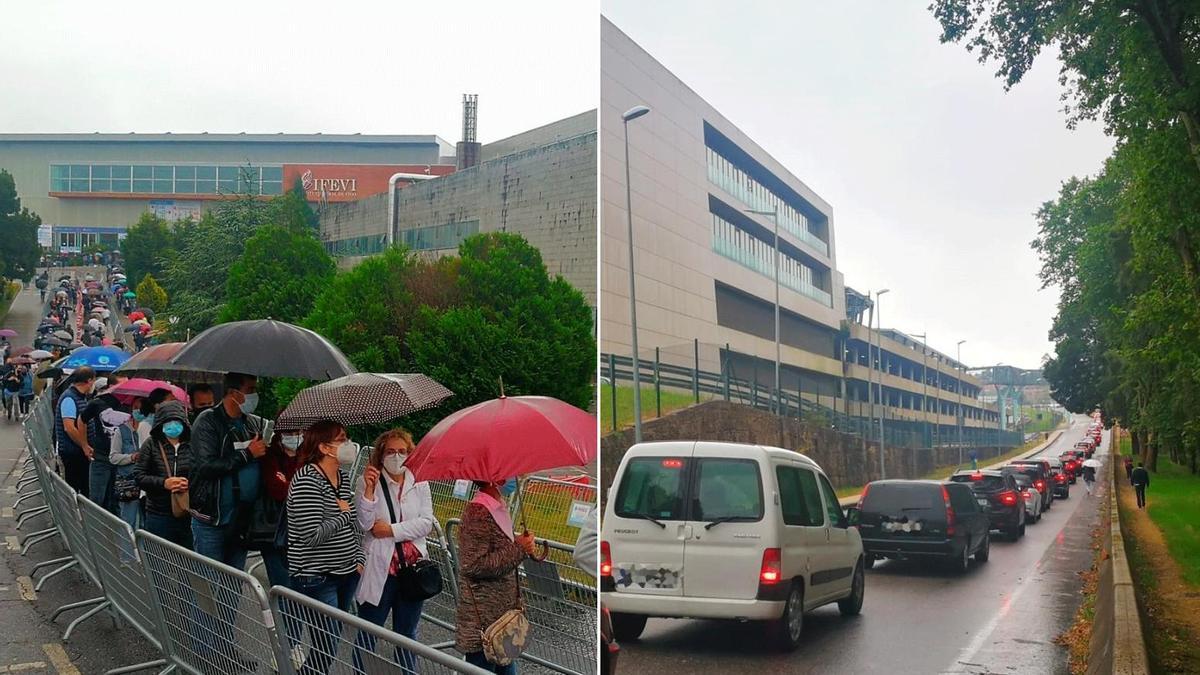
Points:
[(265, 348), (55, 342), (362, 398)]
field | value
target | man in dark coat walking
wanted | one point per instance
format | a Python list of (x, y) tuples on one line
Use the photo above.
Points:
[(1141, 481)]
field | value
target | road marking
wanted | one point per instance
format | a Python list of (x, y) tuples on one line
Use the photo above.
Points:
[(21, 667), (6, 512), (59, 659), (25, 588), (11, 489)]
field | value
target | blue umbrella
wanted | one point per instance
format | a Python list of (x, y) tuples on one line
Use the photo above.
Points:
[(104, 359)]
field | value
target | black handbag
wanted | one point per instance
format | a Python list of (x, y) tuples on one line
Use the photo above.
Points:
[(421, 580)]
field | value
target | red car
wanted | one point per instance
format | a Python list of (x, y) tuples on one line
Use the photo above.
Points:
[(1072, 466)]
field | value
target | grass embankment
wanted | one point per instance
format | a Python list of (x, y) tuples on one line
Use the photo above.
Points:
[(1163, 545), (1049, 421), (11, 289), (669, 400)]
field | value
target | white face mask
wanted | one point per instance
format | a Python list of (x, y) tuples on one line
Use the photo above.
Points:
[(291, 442), (347, 452), (394, 463), (249, 404)]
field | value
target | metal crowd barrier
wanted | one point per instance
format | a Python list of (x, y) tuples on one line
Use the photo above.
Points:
[(343, 643), (550, 504)]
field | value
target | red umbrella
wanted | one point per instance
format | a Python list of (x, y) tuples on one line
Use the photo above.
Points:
[(505, 437), (140, 387), (134, 316)]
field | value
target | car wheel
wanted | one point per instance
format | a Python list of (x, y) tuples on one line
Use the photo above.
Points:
[(962, 562), (851, 605), (787, 628), (985, 549), (627, 626), (869, 561)]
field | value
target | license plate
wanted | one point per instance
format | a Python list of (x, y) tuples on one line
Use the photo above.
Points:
[(650, 575), (982, 501), (902, 527)]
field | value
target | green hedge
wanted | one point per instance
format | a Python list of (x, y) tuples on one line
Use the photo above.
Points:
[(10, 293)]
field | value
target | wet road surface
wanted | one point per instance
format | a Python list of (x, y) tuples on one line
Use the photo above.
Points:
[(1000, 617)]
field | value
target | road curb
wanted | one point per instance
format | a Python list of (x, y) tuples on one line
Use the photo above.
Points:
[(1129, 644), (853, 499)]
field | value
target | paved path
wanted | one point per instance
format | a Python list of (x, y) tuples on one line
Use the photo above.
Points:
[(29, 642)]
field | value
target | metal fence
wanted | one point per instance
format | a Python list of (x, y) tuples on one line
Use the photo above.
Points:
[(207, 618), (709, 374)]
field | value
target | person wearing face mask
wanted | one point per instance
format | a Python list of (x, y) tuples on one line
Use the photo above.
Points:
[(163, 467), (278, 466), (395, 514), (225, 478), (325, 553), (488, 557), (123, 454), (202, 398), (70, 432), (144, 415)]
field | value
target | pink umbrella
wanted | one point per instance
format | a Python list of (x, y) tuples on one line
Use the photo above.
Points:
[(140, 387), (7, 332), (505, 437), (134, 316)]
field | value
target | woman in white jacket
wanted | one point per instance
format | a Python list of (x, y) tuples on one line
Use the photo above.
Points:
[(396, 514)]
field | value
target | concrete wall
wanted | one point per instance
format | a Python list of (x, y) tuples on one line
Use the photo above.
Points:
[(841, 456), (676, 267), (576, 125)]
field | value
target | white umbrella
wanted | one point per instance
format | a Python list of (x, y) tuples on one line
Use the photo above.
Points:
[(39, 354), (1094, 463)]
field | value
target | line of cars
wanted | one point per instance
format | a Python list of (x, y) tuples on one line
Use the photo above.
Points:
[(712, 530)]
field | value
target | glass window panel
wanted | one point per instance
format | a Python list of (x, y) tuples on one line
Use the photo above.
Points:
[(142, 172), (247, 183), (80, 171), (60, 184), (161, 172), (206, 187), (101, 171), (79, 185), (163, 186), (206, 172), (226, 186), (272, 173), (119, 170), (185, 172), (60, 171), (185, 186), (227, 172), (272, 187), (143, 185), (120, 185), (101, 185)]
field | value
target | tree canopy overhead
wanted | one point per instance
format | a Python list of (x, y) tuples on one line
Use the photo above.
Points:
[(19, 248)]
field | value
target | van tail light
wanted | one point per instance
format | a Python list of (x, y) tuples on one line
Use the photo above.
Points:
[(1060, 477), (772, 568), (1040, 484), (949, 512), (605, 559), (1008, 498), (1028, 494)]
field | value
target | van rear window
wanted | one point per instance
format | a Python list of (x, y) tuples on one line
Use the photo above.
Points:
[(653, 486), (984, 482), (729, 489)]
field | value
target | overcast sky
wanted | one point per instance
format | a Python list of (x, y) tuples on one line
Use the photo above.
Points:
[(933, 171), (297, 66)]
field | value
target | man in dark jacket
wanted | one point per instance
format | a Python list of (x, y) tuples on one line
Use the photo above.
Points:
[(70, 433), (225, 478), (1141, 481)]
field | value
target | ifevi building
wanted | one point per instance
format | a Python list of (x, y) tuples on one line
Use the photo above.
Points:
[(706, 200)]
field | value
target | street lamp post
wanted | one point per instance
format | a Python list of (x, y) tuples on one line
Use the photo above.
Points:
[(924, 396), (882, 400), (774, 214), (630, 115), (960, 419)]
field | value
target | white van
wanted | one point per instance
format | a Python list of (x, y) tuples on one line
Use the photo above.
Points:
[(706, 530)]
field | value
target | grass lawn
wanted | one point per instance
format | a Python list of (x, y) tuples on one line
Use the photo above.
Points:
[(1049, 421), (670, 400), (1173, 503)]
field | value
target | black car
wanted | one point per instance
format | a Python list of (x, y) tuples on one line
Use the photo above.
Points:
[(1059, 478), (999, 495), (907, 519), (1043, 479)]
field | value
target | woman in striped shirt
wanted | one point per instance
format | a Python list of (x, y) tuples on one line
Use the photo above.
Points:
[(325, 555)]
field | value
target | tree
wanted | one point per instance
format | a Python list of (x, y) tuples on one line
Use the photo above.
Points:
[(147, 247), (293, 211), (278, 276), (19, 248), (151, 295)]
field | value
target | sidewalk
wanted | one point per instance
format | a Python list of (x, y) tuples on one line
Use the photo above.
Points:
[(30, 643)]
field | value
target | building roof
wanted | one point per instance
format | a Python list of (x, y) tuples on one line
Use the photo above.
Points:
[(205, 137)]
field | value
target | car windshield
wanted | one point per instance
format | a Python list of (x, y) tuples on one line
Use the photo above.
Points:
[(652, 486)]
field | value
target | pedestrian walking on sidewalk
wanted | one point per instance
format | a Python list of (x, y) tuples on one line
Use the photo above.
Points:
[(1089, 478), (1141, 481), (1129, 469)]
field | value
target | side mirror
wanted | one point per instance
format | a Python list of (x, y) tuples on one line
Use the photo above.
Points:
[(853, 516)]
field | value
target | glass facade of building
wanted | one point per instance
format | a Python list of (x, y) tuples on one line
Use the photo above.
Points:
[(732, 179), (166, 179), (436, 237), (369, 245), (733, 242)]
